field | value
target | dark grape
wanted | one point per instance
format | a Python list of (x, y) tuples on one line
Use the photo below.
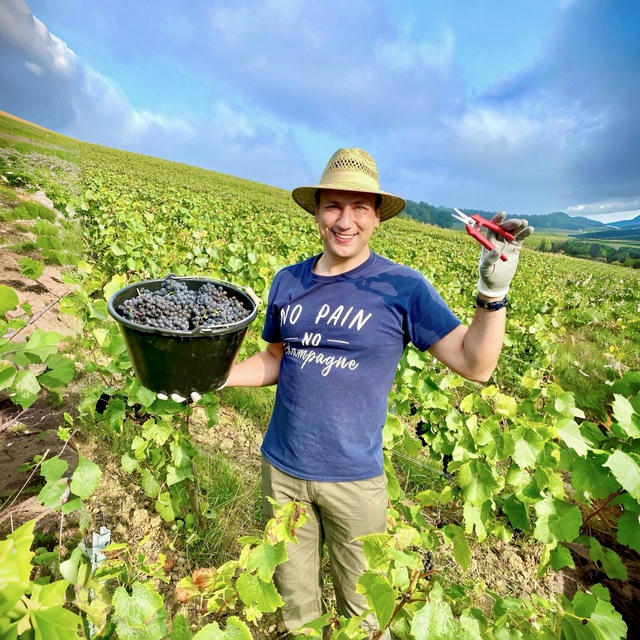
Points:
[(174, 306)]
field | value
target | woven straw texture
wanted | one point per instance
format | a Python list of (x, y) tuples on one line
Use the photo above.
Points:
[(350, 170)]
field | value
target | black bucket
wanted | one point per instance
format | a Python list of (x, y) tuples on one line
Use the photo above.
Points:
[(172, 361)]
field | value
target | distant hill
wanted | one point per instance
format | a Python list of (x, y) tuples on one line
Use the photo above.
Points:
[(441, 216), (626, 224)]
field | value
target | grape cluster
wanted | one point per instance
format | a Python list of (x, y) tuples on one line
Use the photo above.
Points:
[(174, 306)]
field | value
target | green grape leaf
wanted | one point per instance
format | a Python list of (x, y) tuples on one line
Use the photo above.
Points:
[(15, 565), (461, 548), (591, 618), (8, 299), (528, 448), (435, 621), (609, 559), (31, 268), (626, 471), (129, 464), (265, 557), (55, 623), (236, 629), (625, 416), (557, 520), (629, 530), (374, 547), (51, 494), (561, 557), (258, 594), (26, 387), (58, 377), (516, 512), (149, 484), (141, 615), (41, 345), (569, 433), (477, 481), (180, 629), (164, 507), (380, 595), (53, 469), (85, 478), (7, 374)]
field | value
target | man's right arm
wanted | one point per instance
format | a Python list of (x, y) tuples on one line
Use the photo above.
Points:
[(260, 370)]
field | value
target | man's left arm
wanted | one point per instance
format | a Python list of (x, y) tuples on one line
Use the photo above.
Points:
[(473, 351)]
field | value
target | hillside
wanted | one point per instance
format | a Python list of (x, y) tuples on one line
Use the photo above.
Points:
[(525, 485), (441, 217)]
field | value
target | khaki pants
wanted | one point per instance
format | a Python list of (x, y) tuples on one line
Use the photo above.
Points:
[(339, 511)]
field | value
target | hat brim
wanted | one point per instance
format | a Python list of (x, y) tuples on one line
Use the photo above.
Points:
[(390, 206)]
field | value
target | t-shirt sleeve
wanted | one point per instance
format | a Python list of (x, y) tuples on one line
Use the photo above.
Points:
[(428, 318), (271, 330)]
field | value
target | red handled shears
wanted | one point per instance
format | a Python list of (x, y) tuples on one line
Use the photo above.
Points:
[(475, 222)]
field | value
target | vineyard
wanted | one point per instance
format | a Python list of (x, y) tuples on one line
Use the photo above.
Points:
[(535, 474)]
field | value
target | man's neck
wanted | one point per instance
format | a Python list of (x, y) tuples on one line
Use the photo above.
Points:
[(328, 266)]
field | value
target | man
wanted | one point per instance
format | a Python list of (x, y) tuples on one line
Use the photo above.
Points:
[(336, 325)]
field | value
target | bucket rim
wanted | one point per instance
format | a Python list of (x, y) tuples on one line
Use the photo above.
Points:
[(191, 333)]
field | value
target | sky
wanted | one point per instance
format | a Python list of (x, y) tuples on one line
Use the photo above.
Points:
[(489, 104)]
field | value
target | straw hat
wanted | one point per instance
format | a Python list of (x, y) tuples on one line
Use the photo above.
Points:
[(350, 170)]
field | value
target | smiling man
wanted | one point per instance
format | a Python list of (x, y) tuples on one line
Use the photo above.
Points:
[(336, 325)]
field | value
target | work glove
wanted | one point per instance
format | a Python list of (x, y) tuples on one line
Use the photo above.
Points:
[(495, 275)]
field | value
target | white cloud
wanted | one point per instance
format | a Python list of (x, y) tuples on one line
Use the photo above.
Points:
[(36, 69)]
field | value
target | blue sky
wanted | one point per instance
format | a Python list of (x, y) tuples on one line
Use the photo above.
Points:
[(526, 106)]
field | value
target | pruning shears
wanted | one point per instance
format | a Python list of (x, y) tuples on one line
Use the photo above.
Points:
[(474, 223)]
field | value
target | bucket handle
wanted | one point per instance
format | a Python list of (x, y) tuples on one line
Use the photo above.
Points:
[(248, 290)]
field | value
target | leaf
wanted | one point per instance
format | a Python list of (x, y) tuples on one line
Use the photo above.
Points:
[(164, 507), (265, 557), (569, 433), (53, 469), (26, 387), (528, 448), (609, 559), (557, 520), (256, 593), (31, 268), (477, 481), (41, 345), (629, 530), (461, 548), (236, 630), (392, 428), (58, 377), (625, 416), (15, 565), (50, 495), (626, 472), (180, 629), (128, 463), (85, 478), (592, 618), (516, 512), (561, 557), (55, 623), (7, 374), (380, 595), (435, 621), (141, 615), (8, 299), (149, 484)]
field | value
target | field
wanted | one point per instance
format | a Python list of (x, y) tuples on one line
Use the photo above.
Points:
[(526, 490)]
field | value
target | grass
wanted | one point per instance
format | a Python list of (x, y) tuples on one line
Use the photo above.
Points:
[(253, 403)]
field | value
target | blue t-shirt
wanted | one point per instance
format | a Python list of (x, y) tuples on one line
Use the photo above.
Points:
[(343, 337)]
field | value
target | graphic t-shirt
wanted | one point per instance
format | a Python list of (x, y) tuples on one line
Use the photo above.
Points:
[(343, 337)]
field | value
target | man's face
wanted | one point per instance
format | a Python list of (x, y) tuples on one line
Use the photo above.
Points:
[(346, 220)]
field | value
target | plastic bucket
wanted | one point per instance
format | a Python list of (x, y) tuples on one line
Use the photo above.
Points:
[(171, 361)]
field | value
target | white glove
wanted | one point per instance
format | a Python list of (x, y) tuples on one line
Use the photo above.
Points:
[(495, 275)]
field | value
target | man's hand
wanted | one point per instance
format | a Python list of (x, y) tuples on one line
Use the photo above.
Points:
[(495, 275)]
